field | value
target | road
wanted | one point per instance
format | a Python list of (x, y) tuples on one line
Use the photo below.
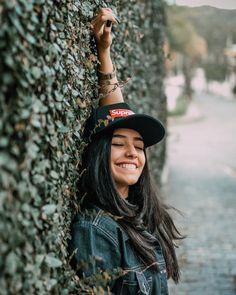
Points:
[(202, 184)]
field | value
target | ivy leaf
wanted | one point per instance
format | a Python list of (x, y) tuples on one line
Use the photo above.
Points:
[(11, 263), (75, 93), (52, 261), (39, 259), (49, 209), (36, 72), (4, 142), (37, 179), (33, 150), (30, 38), (17, 24), (54, 174), (51, 283)]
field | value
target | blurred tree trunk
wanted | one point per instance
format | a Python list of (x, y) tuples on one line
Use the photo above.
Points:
[(188, 75)]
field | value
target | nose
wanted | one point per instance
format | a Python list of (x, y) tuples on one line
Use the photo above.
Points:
[(131, 151)]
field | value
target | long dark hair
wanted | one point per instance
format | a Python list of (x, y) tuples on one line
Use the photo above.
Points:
[(143, 211)]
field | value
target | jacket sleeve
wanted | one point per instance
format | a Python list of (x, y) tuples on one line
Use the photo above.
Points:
[(95, 249)]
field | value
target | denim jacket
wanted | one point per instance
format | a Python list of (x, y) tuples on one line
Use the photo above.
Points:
[(99, 235)]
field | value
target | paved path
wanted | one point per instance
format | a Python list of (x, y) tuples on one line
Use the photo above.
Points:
[(202, 184)]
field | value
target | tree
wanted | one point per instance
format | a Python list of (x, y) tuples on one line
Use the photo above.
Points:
[(183, 39)]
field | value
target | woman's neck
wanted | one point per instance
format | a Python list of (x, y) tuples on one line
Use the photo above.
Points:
[(123, 191)]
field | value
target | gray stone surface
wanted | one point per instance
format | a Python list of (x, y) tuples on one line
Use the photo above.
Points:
[(202, 184)]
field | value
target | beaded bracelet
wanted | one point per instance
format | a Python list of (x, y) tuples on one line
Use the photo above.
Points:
[(106, 84)]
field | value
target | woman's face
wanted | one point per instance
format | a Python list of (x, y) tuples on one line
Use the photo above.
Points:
[(127, 158)]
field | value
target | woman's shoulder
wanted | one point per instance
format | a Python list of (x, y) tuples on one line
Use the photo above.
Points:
[(97, 217), (100, 221)]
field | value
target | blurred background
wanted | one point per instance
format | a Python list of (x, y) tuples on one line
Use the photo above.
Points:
[(201, 97)]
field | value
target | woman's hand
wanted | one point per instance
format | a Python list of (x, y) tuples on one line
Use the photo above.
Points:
[(101, 27)]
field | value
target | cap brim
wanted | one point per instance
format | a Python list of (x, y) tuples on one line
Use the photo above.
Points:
[(151, 130)]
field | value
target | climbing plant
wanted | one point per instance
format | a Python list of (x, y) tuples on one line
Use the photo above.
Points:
[(48, 84)]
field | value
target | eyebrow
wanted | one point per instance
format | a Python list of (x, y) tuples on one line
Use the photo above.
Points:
[(124, 136)]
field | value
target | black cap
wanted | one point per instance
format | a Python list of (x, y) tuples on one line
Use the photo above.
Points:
[(120, 115)]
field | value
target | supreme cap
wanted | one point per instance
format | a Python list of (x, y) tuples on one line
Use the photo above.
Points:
[(120, 115)]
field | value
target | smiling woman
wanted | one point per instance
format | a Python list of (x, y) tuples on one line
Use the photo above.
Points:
[(127, 158), (122, 224)]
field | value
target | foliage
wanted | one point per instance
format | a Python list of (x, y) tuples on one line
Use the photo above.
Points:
[(184, 39), (48, 84), (182, 35), (216, 26), (193, 30)]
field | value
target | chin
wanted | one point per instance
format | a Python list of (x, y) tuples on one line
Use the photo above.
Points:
[(127, 181)]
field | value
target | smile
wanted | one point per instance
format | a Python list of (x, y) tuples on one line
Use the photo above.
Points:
[(128, 166)]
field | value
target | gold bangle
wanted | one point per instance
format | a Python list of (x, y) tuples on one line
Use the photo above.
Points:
[(107, 76)]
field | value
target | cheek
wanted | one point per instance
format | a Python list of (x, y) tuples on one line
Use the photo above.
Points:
[(142, 161), (114, 155)]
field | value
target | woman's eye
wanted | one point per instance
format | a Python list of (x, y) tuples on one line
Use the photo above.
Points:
[(139, 148)]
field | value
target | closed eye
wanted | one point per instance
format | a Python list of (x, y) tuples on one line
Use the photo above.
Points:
[(139, 148), (121, 144), (117, 144)]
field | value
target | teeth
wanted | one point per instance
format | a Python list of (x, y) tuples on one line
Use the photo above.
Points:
[(128, 166)]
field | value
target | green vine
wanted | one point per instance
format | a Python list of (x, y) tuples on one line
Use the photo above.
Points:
[(48, 84)]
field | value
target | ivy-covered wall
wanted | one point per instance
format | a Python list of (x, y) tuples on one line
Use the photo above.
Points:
[(47, 86)]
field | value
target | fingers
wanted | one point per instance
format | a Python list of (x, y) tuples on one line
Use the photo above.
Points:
[(105, 14), (107, 28), (105, 9), (110, 10), (102, 26), (101, 19)]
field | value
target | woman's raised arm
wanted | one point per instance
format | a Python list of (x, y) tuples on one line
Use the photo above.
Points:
[(109, 86)]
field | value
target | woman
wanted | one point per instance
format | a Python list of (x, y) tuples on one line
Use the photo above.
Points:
[(123, 234)]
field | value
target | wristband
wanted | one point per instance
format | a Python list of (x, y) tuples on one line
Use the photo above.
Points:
[(107, 76)]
